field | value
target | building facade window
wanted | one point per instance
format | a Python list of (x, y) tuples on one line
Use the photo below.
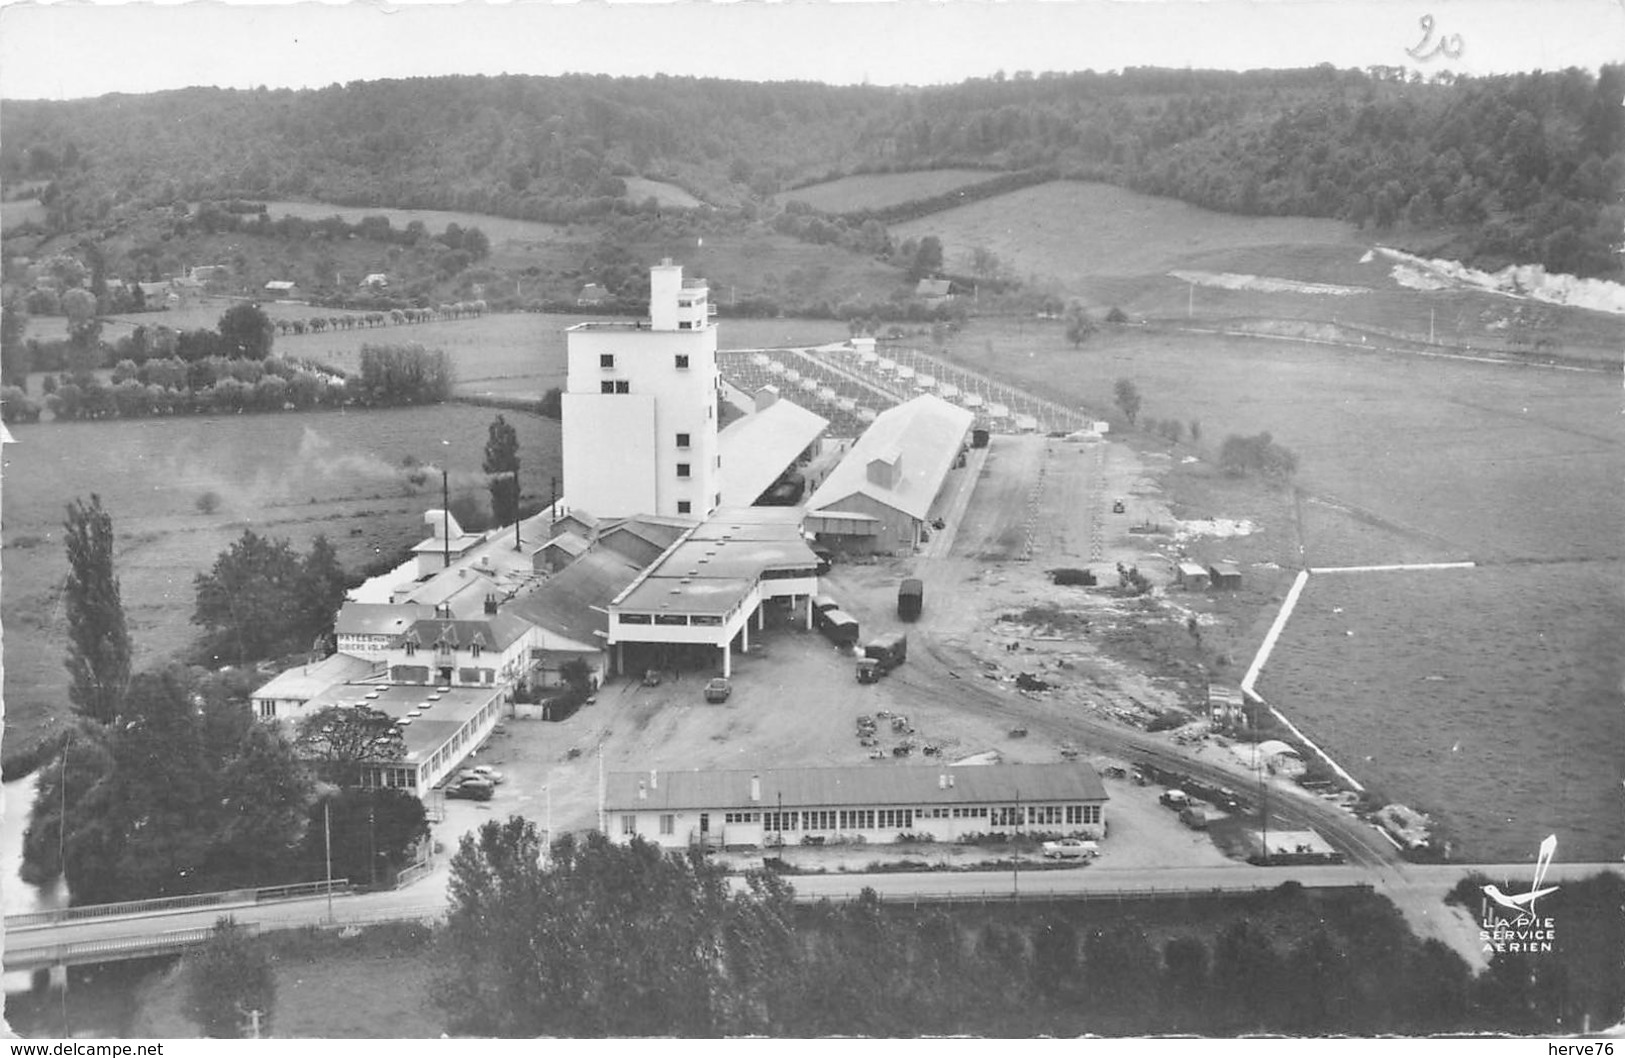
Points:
[(682, 470), (682, 440), (623, 387), (682, 360), (606, 359), (411, 648), (668, 824), (267, 709), (684, 507), (629, 825), (606, 386)]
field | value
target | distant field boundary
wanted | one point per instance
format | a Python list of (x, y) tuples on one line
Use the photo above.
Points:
[(1289, 604), (1337, 335)]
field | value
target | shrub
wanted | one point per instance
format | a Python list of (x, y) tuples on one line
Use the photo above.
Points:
[(208, 502)]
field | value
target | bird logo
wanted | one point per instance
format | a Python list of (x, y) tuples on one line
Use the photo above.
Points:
[(1523, 905)]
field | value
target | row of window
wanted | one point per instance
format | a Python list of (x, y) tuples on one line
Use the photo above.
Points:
[(607, 361), (894, 818), (443, 647), (670, 619)]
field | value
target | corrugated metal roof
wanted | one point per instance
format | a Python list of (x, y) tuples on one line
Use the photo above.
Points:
[(574, 602), (924, 433), (877, 784), (756, 449)]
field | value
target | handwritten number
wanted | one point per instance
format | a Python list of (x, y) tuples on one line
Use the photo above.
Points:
[(1449, 45)]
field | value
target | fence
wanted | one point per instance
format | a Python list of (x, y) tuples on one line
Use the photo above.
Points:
[(160, 905)]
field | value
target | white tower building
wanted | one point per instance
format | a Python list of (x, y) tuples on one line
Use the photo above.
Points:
[(640, 407)]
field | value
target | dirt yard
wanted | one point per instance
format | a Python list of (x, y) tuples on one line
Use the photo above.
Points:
[(1023, 506)]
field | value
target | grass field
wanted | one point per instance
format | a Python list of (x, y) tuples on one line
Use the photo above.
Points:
[(1495, 461), (497, 229), (15, 211), (292, 476), (638, 189), (1489, 697), (1077, 232), (879, 190)]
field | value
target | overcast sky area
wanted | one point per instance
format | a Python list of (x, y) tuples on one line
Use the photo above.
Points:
[(66, 51)]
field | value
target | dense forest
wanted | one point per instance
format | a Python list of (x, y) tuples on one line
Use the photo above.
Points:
[(1527, 167)]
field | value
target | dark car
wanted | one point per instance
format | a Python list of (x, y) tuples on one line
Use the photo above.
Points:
[(472, 790)]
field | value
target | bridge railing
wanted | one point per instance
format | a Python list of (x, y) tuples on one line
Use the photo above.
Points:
[(224, 898), (110, 950), (988, 896)]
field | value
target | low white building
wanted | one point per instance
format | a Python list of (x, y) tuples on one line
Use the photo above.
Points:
[(871, 803), (287, 696), (706, 588), (440, 727)]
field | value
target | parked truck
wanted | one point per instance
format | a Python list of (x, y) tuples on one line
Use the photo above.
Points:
[(910, 599), (881, 655), (840, 627)]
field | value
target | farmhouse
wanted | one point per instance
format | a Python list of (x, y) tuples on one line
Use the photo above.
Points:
[(282, 289), (592, 294), (486, 652), (934, 291), (767, 807), (640, 407), (367, 630), (376, 281), (880, 495)]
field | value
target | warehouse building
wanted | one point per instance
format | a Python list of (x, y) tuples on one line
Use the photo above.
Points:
[(879, 498), (773, 806)]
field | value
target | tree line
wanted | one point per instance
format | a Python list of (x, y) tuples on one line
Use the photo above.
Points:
[(1522, 165), (587, 938), (166, 783)]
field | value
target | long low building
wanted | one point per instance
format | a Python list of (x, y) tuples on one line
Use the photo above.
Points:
[(873, 803), (440, 727)]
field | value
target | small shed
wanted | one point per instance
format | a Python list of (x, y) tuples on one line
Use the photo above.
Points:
[(592, 294), (282, 289), (1192, 576), (1224, 574)]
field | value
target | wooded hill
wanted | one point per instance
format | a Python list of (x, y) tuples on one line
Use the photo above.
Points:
[(1525, 167)]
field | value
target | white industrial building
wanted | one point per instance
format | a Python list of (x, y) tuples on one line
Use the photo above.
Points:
[(773, 806), (879, 497), (640, 407), (709, 586)]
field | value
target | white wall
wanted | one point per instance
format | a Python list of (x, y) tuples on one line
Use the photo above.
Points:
[(609, 453)]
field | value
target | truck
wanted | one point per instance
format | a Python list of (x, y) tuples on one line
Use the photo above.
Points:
[(910, 599), (881, 655), (840, 627)]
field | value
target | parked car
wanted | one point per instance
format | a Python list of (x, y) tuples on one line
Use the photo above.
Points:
[(718, 689), (1070, 849), (472, 790), (651, 677), (1175, 799), (489, 774), (1118, 508)]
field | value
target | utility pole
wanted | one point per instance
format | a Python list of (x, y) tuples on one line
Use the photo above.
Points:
[(445, 517), (327, 833), (516, 544)]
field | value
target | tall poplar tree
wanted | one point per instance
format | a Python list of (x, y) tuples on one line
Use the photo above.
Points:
[(98, 640), (502, 464)]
